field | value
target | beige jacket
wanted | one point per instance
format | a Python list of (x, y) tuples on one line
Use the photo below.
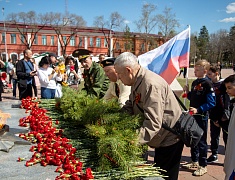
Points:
[(153, 98), (124, 92)]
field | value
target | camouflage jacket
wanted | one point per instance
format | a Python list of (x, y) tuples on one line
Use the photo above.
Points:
[(96, 83)]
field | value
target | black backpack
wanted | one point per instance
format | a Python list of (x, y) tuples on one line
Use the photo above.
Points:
[(186, 128)]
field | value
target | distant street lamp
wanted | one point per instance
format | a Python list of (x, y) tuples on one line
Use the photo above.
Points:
[(110, 43), (5, 39), (195, 42)]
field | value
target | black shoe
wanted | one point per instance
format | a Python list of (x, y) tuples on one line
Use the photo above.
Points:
[(212, 158)]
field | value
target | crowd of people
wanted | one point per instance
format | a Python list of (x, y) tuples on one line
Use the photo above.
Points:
[(142, 92), (27, 76)]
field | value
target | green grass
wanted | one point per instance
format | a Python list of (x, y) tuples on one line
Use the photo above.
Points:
[(182, 83)]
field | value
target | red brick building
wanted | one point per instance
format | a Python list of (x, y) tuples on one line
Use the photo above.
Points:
[(136, 43), (94, 39)]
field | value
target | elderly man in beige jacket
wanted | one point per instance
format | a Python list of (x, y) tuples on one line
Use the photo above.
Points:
[(153, 98)]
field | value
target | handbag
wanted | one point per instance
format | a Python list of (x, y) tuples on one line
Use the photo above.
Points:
[(186, 127), (58, 91)]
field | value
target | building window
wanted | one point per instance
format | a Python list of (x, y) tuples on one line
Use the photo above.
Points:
[(14, 57), (72, 41), (3, 37), (80, 42), (105, 43), (22, 39), (64, 40), (52, 40), (4, 57), (98, 42), (117, 46), (91, 42), (44, 40), (35, 39), (13, 38)]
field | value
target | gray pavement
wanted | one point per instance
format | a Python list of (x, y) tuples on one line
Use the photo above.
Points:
[(10, 168), (215, 170), (225, 73), (13, 170)]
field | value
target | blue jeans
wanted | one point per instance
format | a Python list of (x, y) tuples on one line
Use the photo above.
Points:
[(47, 93), (199, 152)]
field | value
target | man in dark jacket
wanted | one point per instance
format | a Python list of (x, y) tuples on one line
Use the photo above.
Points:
[(25, 73)]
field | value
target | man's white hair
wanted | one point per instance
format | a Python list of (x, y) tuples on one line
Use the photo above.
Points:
[(126, 59)]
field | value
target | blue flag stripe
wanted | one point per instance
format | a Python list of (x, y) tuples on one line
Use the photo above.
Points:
[(160, 63)]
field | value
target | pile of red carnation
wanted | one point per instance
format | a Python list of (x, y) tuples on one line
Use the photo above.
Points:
[(51, 148)]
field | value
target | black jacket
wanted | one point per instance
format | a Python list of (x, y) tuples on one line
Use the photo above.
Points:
[(21, 73), (221, 110)]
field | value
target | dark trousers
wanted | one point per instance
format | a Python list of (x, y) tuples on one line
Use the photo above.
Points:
[(25, 91), (35, 90), (168, 158), (14, 86), (1, 89), (199, 152), (185, 72), (215, 134), (10, 78)]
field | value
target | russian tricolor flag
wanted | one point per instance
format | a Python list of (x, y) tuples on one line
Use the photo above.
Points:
[(167, 59)]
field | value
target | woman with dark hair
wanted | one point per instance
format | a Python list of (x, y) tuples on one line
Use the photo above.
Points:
[(47, 77), (73, 73)]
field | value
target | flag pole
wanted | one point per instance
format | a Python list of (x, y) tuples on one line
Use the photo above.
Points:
[(187, 69), (186, 82)]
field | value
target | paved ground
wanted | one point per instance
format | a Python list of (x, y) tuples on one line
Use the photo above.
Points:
[(11, 170), (225, 73)]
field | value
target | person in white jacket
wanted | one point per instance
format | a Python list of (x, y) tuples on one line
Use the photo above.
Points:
[(48, 78)]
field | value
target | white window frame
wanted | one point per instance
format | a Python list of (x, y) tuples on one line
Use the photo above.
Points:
[(44, 40), (98, 42)]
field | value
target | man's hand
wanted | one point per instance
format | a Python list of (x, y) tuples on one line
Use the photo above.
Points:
[(73, 71), (33, 73), (56, 69), (186, 88), (216, 123), (193, 110)]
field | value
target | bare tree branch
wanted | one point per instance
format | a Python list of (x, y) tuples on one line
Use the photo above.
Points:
[(115, 22), (167, 23), (28, 25), (65, 24)]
